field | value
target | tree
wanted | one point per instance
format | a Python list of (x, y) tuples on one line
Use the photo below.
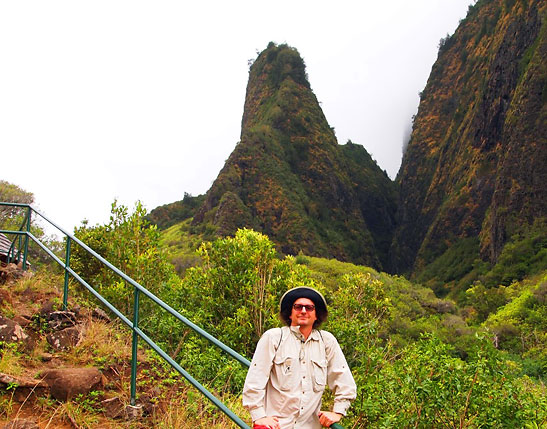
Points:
[(13, 217), (129, 243)]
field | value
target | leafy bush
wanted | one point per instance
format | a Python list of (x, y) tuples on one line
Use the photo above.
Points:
[(131, 244), (427, 387)]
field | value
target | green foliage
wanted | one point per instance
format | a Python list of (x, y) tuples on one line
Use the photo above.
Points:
[(483, 301), (170, 214), (445, 378), (234, 296), (283, 61), (130, 244), (520, 326), (14, 218), (11, 218), (425, 386), (525, 254), (238, 286), (460, 267), (457, 261)]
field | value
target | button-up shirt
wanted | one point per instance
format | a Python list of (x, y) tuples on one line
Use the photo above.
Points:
[(288, 374)]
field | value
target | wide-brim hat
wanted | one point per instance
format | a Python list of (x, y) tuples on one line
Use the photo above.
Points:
[(288, 298)]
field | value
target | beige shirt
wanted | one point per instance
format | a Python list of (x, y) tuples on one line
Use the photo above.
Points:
[(288, 375)]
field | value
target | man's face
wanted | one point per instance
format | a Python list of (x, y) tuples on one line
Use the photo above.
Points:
[(303, 317)]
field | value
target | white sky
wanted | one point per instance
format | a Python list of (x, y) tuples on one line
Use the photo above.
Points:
[(142, 100)]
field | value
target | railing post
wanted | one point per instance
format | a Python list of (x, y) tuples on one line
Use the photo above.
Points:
[(25, 253), (134, 347), (67, 266)]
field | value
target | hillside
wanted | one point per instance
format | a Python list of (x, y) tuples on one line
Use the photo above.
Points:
[(469, 202), (474, 175), (46, 359), (289, 178), (419, 361)]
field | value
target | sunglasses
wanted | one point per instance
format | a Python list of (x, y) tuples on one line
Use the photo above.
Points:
[(299, 307)]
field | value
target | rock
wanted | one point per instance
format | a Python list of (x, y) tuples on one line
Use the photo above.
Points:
[(21, 424), (10, 331), (10, 272), (67, 383), (8, 380), (48, 307), (46, 357), (113, 407), (58, 320), (22, 320), (133, 412), (23, 387), (100, 315), (65, 339)]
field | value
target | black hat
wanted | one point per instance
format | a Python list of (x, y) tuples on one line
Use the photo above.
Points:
[(287, 300)]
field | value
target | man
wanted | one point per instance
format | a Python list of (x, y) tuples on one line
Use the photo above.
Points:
[(292, 365)]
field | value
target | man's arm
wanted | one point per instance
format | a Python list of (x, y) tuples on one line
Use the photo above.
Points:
[(339, 376), (259, 374)]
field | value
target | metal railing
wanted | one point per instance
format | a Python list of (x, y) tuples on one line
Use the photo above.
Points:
[(24, 233)]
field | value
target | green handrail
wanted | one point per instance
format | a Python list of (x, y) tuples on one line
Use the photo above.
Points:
[(138, 290)]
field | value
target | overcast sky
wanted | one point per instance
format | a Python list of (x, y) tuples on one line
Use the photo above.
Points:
[(142, 100)]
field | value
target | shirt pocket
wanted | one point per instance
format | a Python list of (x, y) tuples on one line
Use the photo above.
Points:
[(319, 373), (284, 372)]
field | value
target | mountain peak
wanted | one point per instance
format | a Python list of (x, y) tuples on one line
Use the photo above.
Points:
[(289, 178)]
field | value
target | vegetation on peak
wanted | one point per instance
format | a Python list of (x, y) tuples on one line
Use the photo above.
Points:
[(279, 62)]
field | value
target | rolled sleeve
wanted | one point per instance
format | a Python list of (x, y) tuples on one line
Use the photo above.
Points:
[(257, 413)]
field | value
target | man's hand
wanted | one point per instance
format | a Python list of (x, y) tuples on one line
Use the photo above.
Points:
[(327, 418), (271, 422)]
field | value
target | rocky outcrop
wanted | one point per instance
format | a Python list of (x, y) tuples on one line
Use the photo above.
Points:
[(476, 164)]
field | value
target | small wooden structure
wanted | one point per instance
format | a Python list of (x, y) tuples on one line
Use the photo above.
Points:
[(5, 246)]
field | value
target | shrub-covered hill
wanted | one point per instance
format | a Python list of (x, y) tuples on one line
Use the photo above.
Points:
[(418, 361)]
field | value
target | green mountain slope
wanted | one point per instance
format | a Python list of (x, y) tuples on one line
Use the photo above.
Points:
[(474, 174)]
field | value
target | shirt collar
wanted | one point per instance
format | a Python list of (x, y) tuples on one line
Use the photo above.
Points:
[(296, 331)]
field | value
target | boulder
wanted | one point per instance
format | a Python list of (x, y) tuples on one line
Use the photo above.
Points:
[(65, 339), (22, 320), (10, 331), (10, 272), (67, 383), (58, 320)]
